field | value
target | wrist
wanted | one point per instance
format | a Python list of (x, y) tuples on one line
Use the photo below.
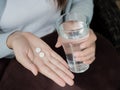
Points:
[(12, 38)]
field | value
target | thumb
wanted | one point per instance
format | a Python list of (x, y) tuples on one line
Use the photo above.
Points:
[(58, 43), (27, 63)]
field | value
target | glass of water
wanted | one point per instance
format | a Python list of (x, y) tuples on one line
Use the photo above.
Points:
[(73, 31)]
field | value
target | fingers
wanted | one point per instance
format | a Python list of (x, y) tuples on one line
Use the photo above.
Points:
[(92, 38), (55, 68), (87, 53), (61, 67), (57, 61), (63, 74), (86, 59), (60, 59), (53, 72), (59, 43), (52, 75)]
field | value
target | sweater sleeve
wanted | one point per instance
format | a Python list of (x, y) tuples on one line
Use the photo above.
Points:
[(4, 50), (84, 9)]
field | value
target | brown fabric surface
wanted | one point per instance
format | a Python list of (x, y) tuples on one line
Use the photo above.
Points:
[(103, 74)]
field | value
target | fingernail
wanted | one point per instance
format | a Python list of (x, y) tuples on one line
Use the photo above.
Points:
[(72, 83), (34, 73), (63, 85)]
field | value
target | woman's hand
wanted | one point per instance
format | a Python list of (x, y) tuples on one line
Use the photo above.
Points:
[(87, 49), (51, 65)]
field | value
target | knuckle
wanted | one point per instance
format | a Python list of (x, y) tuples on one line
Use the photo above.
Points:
[(94, 37), (55, 68)]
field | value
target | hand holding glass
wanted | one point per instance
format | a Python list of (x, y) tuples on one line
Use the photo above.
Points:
[(73, 32)]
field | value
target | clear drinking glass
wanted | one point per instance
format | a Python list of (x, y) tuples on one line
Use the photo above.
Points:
[(73, 31)]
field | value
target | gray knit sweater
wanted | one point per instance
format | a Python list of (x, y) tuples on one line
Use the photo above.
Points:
[(83, 7)]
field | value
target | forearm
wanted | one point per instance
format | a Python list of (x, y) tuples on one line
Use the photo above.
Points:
[(83, 8), (4, 50)]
